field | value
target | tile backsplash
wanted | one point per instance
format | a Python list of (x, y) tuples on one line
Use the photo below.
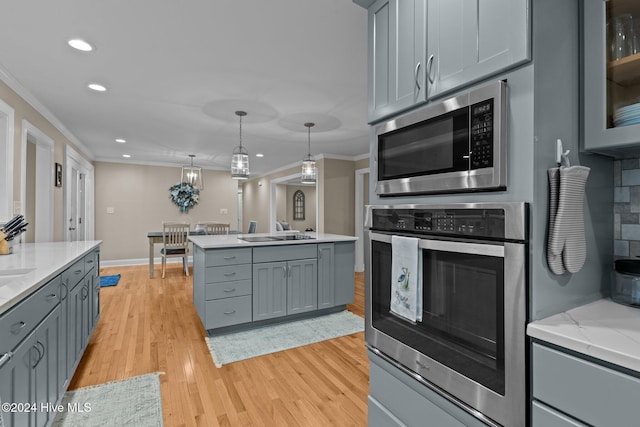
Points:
[(626, 218)]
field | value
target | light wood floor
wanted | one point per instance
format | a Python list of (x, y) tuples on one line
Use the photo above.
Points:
[(150, 325)]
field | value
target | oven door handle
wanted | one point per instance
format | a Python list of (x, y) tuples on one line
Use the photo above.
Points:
[(449, 246)]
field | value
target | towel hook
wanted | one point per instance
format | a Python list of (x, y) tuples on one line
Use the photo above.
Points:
[(562, 157)]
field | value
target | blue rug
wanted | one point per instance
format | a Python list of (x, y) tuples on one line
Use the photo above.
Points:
[(109, 280)]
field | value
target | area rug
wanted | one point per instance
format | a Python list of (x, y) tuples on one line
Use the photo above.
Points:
[(270, 339), (109, 280), (134, 401)]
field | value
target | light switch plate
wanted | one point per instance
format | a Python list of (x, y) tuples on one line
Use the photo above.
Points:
[(111, 210), (224, 211)]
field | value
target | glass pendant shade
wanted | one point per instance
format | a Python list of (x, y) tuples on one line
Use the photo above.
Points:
[(192, 175), (240, 156), (309, 170)]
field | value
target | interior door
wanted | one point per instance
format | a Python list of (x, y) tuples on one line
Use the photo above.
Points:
[(76, 215)]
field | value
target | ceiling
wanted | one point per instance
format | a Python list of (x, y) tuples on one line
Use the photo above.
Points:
[(176, 72)]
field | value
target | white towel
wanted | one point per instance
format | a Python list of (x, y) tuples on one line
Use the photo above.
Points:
[(406, 286)]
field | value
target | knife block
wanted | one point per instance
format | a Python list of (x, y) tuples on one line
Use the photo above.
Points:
[(5, 249)]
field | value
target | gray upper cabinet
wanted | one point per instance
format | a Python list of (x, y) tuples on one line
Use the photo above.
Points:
[(611, 82), (471, 40), (397, 56)]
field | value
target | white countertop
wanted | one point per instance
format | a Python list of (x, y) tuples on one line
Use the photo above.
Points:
[(235, 240), (43, 261), (602, 329)]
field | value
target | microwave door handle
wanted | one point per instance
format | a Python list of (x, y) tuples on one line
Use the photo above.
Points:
[(463, 247)]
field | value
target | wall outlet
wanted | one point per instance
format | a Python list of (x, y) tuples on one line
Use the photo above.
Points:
[(224, 211), (111, 210)]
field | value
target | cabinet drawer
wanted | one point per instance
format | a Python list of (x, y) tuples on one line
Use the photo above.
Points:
[(218, 257), (235, 288), (91, 262), (543, 416), (285, 252), (578, 387), (72, 275), (378, 416), (228, 311), (16, 324), (227, 273)]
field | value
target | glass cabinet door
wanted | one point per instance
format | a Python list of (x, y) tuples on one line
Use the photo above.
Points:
[(623, 62), (611, 75)]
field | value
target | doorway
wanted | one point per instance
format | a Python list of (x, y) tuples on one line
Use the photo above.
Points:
[(37, 170), (78, 195), (279, 201), (6, 166)]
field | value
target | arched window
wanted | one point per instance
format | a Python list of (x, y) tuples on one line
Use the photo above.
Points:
[(298, 205)]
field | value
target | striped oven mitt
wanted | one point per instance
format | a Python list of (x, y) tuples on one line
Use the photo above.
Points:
[(567, 235)]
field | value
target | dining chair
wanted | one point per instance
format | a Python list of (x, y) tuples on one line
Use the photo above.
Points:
[(211, 227), (252, 226), (175, 241)]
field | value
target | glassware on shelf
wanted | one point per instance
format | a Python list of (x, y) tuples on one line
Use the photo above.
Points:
[(623, 37)]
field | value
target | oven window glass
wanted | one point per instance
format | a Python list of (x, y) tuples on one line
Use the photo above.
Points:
[(438, 145), (463, 310)]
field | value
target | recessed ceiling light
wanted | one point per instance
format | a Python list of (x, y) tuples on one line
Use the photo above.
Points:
[(80, 44), (121, 141), (97, 87), (126, 156), (259, 155)]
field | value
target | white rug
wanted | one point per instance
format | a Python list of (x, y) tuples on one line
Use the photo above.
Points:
[(270, 339), (134, 401)]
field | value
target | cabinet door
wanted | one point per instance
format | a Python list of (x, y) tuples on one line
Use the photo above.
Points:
[(326, 279), (469, 41), (74, 332), (344, 274), (46, 376), (269, 290), (63, 337), (85, 297), (95, 302), (611, 83), (397, 51), (302, 286), (16, 381)]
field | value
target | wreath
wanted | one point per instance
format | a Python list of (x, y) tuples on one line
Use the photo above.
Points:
[(184, 195)]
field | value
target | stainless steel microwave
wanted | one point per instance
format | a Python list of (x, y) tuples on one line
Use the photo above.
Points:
[(453, 145)]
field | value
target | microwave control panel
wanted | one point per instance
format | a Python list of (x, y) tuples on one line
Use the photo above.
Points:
[(482, 135), (457, 222)]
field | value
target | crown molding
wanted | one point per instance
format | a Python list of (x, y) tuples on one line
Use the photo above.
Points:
[(17, 87)]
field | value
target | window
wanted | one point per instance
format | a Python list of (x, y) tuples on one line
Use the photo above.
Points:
[(298, 205)]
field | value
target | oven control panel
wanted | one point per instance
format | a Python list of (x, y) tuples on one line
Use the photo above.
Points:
[(461, 222)]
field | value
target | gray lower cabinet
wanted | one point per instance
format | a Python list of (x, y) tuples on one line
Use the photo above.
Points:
[(335, 274), (571, 391), (43, 338), (397, 399), (222, 286)]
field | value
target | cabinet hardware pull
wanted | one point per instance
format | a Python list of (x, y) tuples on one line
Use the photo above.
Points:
[(229, 312), (51, 297), (38, 356), (89, 261), (44, 350), (230, 290), (429, 68), (233, 273), (418, 81), (229, 257), (65, 294), (15, 328), (422, 365), (5, 358), (77, 272)]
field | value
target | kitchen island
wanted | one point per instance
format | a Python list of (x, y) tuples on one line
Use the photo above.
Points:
[(241, 281)]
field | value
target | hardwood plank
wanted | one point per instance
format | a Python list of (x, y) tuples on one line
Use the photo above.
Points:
[(150, 325)]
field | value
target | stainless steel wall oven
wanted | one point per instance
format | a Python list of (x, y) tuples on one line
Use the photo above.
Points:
[(469, 345)]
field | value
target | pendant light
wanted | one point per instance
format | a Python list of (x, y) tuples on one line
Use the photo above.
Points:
[(309, 170), (192, 175), (240, 157)]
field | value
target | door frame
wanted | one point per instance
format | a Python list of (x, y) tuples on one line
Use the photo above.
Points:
[(44, 179), (359, 219), (7, 124), (73, 158)]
